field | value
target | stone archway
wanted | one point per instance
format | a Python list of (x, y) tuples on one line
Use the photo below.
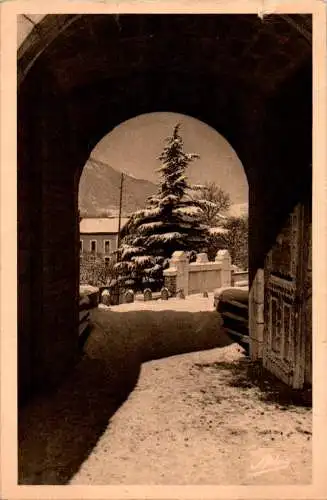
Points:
[(81, 75)]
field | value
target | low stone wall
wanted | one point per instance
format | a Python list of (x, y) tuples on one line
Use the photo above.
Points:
[(200, 276), (170, 281), (203, 279), (240, 278)]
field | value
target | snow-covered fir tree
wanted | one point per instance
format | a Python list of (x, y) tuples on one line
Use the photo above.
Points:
[(170, 221)]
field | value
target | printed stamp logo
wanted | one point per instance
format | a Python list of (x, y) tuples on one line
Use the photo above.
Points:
[(268, 463)]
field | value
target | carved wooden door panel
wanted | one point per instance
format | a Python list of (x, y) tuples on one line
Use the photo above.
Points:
[(283, 351)]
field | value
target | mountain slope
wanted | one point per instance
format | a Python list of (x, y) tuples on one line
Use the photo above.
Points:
[(99, 190)]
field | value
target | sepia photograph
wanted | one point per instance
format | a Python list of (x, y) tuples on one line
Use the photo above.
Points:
[(164, 248)]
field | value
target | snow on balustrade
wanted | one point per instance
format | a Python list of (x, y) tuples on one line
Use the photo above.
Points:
[(200, 276)]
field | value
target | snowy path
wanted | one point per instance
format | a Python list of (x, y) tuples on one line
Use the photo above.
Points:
[(185, 424), (191, 418)]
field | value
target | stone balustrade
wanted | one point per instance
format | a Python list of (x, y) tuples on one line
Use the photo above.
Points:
[(199, 276)]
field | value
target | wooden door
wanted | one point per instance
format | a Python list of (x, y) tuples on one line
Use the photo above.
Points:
[(284, 333)]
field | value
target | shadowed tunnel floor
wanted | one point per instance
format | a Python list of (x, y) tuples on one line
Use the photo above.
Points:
[(107, 424)]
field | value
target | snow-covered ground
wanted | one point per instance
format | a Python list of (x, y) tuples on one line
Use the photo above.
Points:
[(197, 419), (161, 396), (191, 303)]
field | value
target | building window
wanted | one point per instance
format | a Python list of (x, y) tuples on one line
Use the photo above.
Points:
[(81, 245), (106, 246), (93, 245)]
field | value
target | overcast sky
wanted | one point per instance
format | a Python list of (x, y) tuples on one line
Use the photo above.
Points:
[(133, 147)]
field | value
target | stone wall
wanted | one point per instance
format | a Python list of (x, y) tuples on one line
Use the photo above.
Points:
[(170, 283), (240, 278), (200, 276)]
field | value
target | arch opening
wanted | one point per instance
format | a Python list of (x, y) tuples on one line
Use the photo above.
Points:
[(123, 171)]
